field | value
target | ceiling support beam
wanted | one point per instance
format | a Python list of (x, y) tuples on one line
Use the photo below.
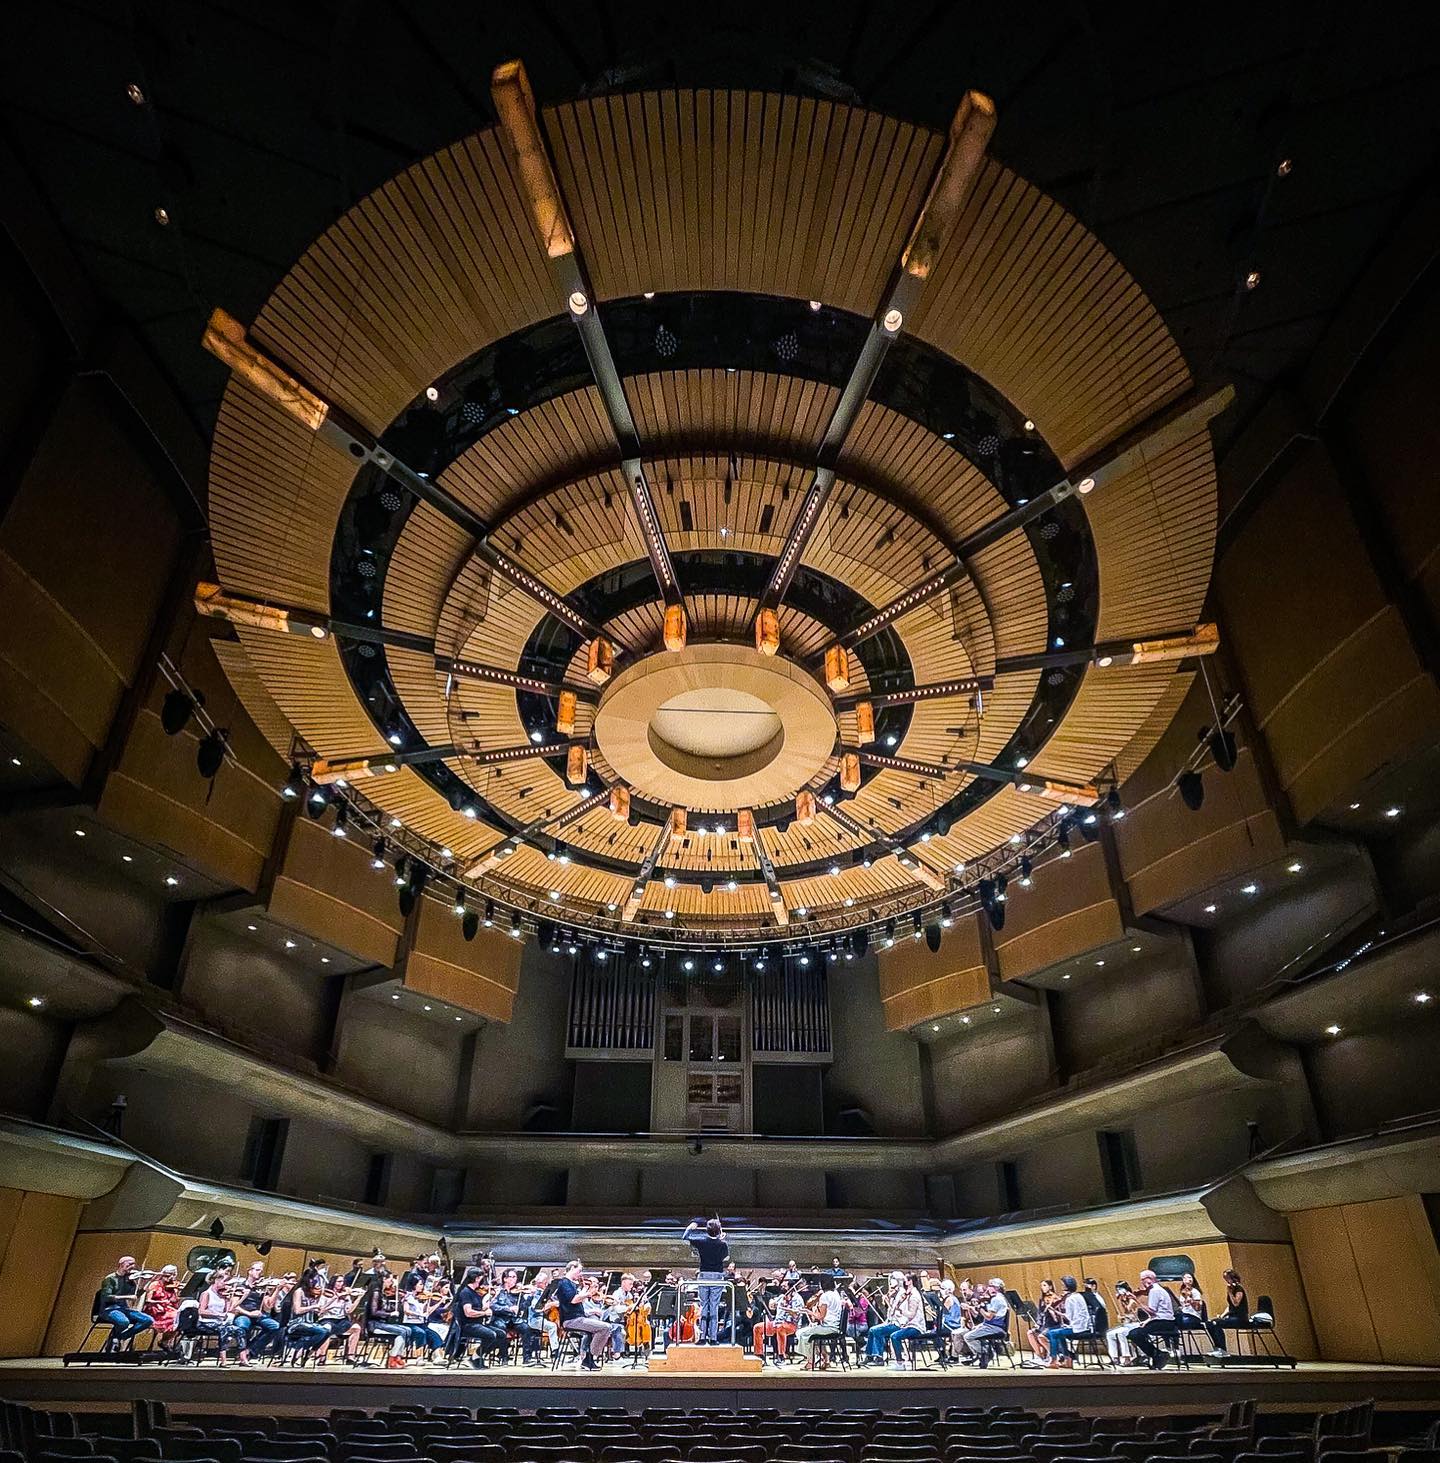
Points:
[(646, 872), (1175, 646), (955, 175), (515, 105), (1166, 428), (778, 909), (225, 338), (473, 670), (936, 691), (502, 850)]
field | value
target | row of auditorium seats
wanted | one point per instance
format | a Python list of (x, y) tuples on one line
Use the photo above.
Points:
[(699, 1435)]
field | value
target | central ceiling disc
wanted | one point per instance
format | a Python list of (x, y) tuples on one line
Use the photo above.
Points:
[(715, 726)]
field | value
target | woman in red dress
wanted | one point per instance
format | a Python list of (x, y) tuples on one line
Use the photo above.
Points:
[(162, 1299)]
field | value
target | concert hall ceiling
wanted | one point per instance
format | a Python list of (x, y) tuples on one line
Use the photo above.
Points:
[(791, 334)]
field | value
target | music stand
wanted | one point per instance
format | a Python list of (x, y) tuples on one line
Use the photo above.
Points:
[(701, 1285)]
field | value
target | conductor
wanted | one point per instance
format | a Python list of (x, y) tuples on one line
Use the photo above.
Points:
[(711, 1256)]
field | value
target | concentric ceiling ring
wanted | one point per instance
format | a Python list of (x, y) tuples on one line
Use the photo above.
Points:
[(727, 418)]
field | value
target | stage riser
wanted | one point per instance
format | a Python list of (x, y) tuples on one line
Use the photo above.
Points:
[(266, 1391)]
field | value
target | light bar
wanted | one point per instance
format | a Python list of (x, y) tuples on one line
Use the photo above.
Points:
[(471, 670), (515, 105), (327, 771), (226, 340), (215, 604), (970, 132)]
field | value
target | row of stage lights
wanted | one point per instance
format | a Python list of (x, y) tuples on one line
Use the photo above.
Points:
[(989, 886)]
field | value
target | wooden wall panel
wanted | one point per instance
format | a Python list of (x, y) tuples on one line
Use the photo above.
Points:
[(34, 1248), (1330, 674), (1335, 1287), (327, 888), (92, 1257), (479, 975), (1069, 908), (1395, 1253), (918, 985)]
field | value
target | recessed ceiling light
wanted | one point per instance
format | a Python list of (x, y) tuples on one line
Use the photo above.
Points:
[(1423, 997), (1135, 949), (1249, 888), (1099, 963), (459, 1018), (814, 304), (1029, 425), (1354, 807), (14, 761), (79, 833), (1392, 812), (252, 928), (555, 895), (1332, 1030), (127, 858), (289, 944), (890, 740), (324, 960), (429, 1008), (964, 1020), (1252, 279), (1211, 908), (1065, 975), (1294, 868), (36, 1001), (396, 996), (171, 880), (936, 1027)]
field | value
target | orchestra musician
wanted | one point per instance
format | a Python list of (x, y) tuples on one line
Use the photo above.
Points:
[(304, 1330), (161, 1303), (1117, 1338), (537, 1324), (472, 1318), (251, 1322), (594, 1332), (1161, 1321), (1049, 1313), (117, 1304), (825, 1316), (994, 1325), (337, 1313), (904, 1321), (857, 1326), (214, 1308), (1237, 1313), (418, 1311), (784, 1314)]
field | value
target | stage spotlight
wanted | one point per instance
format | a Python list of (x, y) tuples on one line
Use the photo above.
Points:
[(932, 937), (341, 826), (1025, 867), (176, 710), (377, 854), (489, 913), (707, 885), (515, 931), (210, 754), (889, 929), (470, 925), (402, 877), (546, 934), (264, 1247), (317, 802), (1113, 805), (217, 1228), (294, 784), (1222, 749), (1192, 789), (1090, 828), (915, 927), (1001, 884), (460, 900)]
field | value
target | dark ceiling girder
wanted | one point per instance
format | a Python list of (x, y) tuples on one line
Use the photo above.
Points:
[(515, 105), (954, 175), (473, 670)]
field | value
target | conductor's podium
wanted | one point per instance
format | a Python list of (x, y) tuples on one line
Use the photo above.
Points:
[(687, 1357)]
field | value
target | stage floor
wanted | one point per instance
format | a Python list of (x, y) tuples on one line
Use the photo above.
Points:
[(270, 1390)]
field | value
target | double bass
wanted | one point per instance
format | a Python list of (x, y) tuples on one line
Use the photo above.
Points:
[(638, 1331)]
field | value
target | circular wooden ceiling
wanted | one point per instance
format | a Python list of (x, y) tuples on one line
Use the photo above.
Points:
[(738, 254)]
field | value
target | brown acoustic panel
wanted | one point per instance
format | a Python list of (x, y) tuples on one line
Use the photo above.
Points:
[(224, 829), (34, 1246), (1402, 1290), (1068, 909), (1294, 583), (1368, 704), (327, 888), (1335, 1285), (1205, 860), (59, 691), (479, 975), (94, 528), (918, 984)]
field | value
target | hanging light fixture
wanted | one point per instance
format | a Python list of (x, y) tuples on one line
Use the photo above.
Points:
[(565, 714), (767, 632), (674, 630)]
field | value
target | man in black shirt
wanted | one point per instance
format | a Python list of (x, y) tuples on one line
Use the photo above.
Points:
[(573, 1317), (712, 1254), (470, 1312)]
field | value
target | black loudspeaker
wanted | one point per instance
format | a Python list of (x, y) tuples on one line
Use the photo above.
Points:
[(1192, 790), (932, 937), (859, 942), (469, 925), (407, 901), (1222, 749), (996, 912)]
